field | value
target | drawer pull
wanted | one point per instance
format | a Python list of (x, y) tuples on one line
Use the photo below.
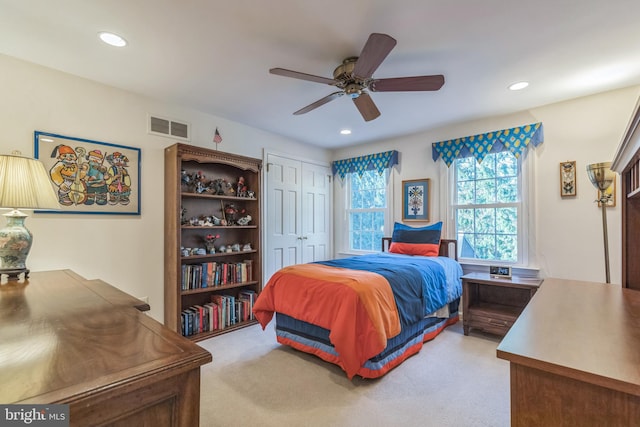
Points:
[(498, 322)]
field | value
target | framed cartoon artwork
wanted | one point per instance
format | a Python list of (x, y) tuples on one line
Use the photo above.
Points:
[(91, 177), (568, 184), (415, 200)]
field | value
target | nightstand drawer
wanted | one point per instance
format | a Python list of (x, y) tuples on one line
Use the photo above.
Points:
[(491, 323)]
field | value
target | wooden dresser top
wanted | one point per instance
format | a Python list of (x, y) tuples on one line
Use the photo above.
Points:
[(63, 337), (582, 330)]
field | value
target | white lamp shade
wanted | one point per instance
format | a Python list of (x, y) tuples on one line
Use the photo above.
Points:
[(25, 184)]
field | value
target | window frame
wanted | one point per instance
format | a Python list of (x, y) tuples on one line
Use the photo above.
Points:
[(525, 226), (346, 243)]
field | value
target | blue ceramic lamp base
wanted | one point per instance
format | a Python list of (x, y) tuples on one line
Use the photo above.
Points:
[(15, 243)]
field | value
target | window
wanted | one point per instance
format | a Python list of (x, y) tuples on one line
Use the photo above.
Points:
[(488, 208), (367, 210)]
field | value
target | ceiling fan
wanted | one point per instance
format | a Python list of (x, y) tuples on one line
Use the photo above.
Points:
[(354, 77)]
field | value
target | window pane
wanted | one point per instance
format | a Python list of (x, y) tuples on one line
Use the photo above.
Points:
[(380, 200), (466, 193), (507, 189), (506, 221), (465, 221), (507, 247), (357, 200), (485, 191), (486, 169), (465, 169), (485, 220), (355, 222), (506, 164), (485, 247)]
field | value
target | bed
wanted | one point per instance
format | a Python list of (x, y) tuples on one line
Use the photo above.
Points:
[(368, 313)]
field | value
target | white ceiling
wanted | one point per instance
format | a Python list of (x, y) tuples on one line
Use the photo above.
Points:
[(214, 55)]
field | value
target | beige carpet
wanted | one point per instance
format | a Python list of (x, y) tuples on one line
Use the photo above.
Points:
[(455, 380)]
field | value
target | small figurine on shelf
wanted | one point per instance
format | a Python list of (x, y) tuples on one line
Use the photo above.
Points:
[(183, 218), (251, 194), (185, 178), (245, 220), (241, 188), (246, 247), (209, 241), (201, 182), (230, 212), (231, 190), (211, 220), (235, 247), (216, 187)]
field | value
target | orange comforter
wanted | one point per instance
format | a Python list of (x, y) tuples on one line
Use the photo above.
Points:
[(358, 307)]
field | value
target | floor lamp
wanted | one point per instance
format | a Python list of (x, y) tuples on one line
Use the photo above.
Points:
[(602, 177)]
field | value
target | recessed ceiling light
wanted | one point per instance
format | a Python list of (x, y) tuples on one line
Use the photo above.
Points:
[(518, 85), (112, 39), (345, 132)]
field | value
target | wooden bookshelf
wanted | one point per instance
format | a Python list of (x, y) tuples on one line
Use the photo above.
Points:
[(191, 213)]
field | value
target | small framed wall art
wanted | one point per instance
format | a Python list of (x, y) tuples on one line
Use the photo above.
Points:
[(415, 200), (568, 185)]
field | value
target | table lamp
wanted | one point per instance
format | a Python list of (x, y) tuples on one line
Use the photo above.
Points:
[(24, 184), (602, 177)]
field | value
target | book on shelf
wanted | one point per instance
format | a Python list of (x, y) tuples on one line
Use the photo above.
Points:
[(215, 274)]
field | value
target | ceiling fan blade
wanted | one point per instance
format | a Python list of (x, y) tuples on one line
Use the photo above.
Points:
[(302, 76), (367, 108), (373, 53), (318, 103), (407, 84)]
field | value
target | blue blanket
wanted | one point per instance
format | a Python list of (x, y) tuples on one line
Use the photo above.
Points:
[(419, 284)]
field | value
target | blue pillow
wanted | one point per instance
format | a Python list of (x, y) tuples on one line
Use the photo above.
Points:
[(423, 241)]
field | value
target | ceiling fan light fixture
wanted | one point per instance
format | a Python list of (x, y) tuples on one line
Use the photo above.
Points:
[(353, 90), (112, 39), (518, 85)]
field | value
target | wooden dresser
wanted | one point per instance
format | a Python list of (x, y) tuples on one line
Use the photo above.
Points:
[(64, 339), (575, 356)]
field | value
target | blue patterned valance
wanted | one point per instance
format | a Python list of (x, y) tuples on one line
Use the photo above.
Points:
[(515, 140), (378, 161)]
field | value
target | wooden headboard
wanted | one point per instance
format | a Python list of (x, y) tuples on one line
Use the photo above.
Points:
[(448, 247)]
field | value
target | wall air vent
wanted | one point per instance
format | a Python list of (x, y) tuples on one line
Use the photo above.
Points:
[(169, 128)]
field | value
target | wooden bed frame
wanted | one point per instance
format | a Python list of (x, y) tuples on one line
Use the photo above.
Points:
[(448, 247)]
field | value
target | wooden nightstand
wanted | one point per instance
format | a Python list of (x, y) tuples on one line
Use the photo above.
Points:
[(494, 304)]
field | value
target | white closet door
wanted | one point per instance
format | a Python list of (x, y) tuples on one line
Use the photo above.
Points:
[(298, 213), (283, 213), (316, 212)]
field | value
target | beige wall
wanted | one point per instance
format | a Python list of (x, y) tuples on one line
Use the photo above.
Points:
[(126, 251), (568, 238)]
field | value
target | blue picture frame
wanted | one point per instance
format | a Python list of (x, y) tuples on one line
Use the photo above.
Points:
[(108, 181), (415, 200)]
